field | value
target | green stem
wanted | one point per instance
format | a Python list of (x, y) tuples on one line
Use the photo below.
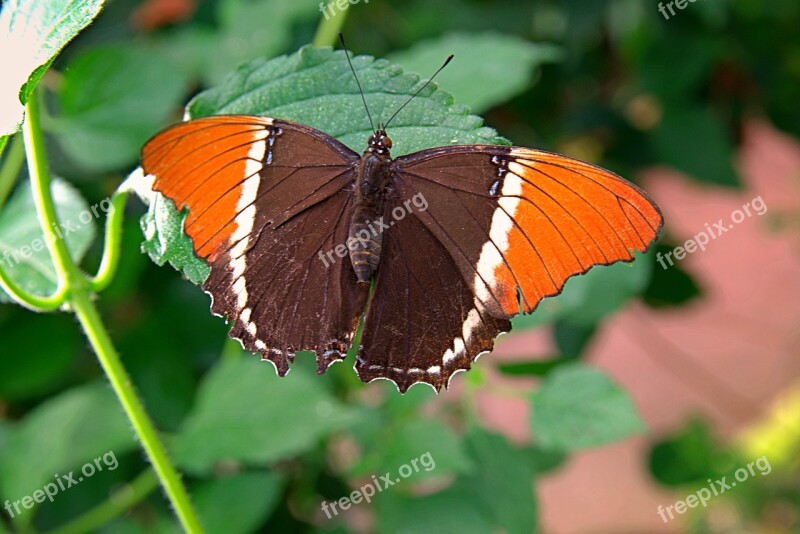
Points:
[(46, 211), (122, 500), (348, 378), (79, 298), (43, 200), (109, 359), (112, 245), (11, 167), (29, 300), (330, 26)]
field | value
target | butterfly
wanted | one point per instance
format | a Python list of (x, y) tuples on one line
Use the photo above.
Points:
[(437, 249)]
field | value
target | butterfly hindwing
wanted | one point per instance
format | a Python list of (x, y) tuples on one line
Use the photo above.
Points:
[(265, 196), (422, 324)]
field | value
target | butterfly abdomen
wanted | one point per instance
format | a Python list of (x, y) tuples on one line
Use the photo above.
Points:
[(365, 235), (364, 242)]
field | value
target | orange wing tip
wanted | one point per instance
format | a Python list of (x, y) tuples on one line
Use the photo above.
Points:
[(228, 152)]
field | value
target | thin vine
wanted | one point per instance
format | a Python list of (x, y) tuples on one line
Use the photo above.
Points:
[(74, 292)]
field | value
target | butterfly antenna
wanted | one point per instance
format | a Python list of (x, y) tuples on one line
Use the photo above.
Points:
[(363, 99), (446, 61)]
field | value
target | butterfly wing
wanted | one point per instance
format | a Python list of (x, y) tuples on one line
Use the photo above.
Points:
[(503, 228), (520, 222), (265, 198)]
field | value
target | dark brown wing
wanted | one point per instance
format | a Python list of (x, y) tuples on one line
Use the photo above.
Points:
[(265, 197)]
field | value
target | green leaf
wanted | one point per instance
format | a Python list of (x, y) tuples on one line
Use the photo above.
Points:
[(539, 367), (689, 457), (571, 338), (34, 32), (695, 142), (496, 497), (237, 504), (451, 510), (543, 461), (506, 62), (503, 482), (60, 436), (588, 298), (162, 227), (246, 414), (578, 407), (250, 29), (441, 448), (22, 245), (408, 405), (670, 287), (314, 86), (112, 100)]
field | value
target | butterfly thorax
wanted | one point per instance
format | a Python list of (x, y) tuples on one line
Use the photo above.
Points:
[(365, 235)]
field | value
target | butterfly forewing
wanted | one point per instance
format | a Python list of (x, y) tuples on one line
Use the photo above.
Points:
[(264, 198), (519, 222)]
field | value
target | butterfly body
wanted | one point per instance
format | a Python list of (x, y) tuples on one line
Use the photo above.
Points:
[(365, 236), (455, 240)]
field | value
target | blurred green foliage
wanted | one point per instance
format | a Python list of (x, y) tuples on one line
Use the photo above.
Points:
[(609, 80), (28, 261)]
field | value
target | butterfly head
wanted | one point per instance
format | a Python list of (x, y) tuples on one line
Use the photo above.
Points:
[(379, 143)]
